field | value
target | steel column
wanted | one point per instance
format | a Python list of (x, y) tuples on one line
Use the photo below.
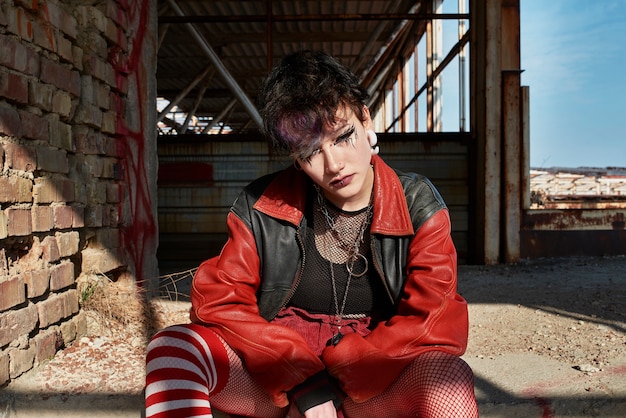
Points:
[(486, 84), (525, 170), (511, 166), (511, 132), (462, 63)]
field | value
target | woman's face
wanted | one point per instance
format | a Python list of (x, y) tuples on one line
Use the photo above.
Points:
[(341, 165)]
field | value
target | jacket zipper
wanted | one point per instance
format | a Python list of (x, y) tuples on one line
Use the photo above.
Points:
[(296, 281), (381, 274)]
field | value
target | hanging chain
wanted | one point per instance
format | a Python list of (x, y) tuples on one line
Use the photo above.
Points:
[(353, 255)]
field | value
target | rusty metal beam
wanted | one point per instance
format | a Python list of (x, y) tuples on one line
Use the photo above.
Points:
[(492, 130), (399, 96), (220, 117), (575, 219), (312, 17), (511, 166), (184, 93), (434, 51), (369, 44), (442, 66), (462, 72), (380, 71), (191, 112), (219, 66), (486, 96), (416, 75), (525, 158), (511, 131), (430, 66), (601, 243), (162, 32)]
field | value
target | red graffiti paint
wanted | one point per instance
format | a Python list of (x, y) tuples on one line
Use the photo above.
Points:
[(546, 407), (139, 237)]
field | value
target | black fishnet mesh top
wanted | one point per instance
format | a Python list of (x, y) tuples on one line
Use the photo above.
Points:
[(325, 248)]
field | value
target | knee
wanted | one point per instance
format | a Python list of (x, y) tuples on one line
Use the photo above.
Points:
[(194, 351), (437, 364), (458, 365), (168, 336), (447, 386), (187, 337), (463, 371)]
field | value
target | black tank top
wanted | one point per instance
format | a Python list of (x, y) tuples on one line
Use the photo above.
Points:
[(314, 292)]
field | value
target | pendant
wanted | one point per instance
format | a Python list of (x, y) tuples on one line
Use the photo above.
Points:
[(334, 340), (350, 266)]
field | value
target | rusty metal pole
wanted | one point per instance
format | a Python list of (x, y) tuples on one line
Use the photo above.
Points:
[(511, 165), (430, 67), (462, 62), (437, 60), (400, 99), (525, 182), (511, 131), (416, 73), (486, 114)]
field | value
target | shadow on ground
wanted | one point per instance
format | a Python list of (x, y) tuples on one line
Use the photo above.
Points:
[(590, 289)]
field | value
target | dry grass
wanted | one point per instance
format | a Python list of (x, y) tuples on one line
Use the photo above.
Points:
[(120, 306), (176, 286), (116, 304)]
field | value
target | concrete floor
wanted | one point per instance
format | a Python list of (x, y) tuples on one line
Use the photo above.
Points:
[(510, 386), (514, 383)]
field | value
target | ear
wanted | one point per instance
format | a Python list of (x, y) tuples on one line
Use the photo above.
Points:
[(367, 118), (373, 140)]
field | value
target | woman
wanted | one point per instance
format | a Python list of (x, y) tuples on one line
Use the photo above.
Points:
[(335, 294)]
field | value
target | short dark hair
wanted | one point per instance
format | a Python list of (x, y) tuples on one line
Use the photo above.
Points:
[(302, 94)]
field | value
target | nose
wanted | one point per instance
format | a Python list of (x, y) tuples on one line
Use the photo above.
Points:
[(332, 161)]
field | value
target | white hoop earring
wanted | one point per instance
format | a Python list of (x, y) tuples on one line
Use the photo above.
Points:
[(373, 140)]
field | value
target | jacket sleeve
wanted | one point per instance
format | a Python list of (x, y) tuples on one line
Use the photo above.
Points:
[(430, 316), (223, 297)]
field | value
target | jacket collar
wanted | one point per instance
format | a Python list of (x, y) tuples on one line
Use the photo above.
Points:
[(391, 215)]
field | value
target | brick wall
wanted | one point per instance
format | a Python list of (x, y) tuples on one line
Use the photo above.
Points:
[(77, 164)]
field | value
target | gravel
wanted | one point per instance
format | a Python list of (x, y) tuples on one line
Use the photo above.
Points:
[(572, 310)]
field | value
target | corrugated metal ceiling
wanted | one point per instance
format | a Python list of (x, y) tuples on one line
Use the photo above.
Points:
[(247, 37)]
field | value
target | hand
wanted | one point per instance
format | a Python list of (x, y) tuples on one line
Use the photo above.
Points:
[(325, 410)]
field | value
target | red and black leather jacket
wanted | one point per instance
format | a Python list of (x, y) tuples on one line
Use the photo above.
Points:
[(239, 292)]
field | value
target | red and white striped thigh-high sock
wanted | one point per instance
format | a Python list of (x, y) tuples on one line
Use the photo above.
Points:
[(184, 365), (189, 364)]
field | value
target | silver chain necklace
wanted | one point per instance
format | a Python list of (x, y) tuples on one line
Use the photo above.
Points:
[(353, 255)]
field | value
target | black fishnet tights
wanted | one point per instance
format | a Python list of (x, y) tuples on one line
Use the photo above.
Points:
[(435, 385), (242, 396)]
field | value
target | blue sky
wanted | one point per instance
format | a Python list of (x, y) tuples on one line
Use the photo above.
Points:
[(573, 54)]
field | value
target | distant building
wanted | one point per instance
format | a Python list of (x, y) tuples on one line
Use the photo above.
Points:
[(578, 188)]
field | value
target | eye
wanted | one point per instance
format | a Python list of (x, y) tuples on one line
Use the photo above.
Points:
[(307, 158), (346, 136)]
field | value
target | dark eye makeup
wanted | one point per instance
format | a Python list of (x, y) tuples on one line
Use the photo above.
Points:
[(344, 137)]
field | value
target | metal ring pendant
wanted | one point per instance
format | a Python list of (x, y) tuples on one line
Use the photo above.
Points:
[(350, 266)]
